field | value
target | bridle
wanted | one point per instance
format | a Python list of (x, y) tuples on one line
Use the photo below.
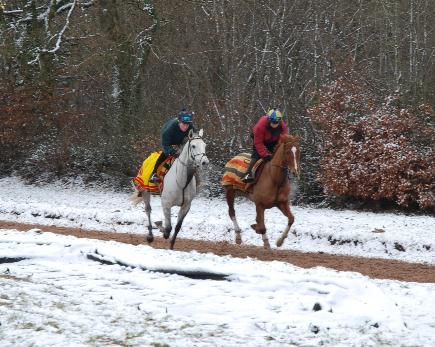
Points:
[(284, 163), (190, 155)]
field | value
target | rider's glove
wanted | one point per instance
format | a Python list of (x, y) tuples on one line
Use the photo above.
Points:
[(267, 158)]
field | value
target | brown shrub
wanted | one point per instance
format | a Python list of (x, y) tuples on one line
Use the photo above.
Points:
[(374, 149)]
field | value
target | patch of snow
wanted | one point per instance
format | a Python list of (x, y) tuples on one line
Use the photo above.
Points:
[(381, 235)]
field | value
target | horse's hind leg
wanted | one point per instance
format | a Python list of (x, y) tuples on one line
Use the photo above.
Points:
[(184, 209), (230, 195), (147, 201), (285, 209)]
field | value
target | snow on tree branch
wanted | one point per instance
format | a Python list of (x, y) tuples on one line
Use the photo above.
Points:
[(62, 31)]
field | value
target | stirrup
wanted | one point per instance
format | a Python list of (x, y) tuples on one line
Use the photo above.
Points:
[(248, 178), (154, 179)]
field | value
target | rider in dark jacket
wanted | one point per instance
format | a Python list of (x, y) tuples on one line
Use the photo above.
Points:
[(172, 135), (266, 135)]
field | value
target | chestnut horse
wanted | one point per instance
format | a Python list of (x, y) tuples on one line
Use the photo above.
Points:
[(271, 189)]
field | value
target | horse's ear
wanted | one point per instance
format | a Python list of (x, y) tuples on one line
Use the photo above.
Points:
[(190, 135), (294, 138), (282, 137), (201, 131)]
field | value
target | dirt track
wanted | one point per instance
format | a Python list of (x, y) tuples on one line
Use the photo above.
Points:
[(375, 268)]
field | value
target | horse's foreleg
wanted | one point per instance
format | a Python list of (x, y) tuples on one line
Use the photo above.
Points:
[(184, 209), (168, 225), (165, 228), (285, 209), (230, 195), (266, 243), (260, 228), (147, 202)]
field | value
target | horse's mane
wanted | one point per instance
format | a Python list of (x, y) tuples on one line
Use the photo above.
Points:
[(184, 141)]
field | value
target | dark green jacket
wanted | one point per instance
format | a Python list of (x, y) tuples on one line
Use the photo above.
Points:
[(172, 135)]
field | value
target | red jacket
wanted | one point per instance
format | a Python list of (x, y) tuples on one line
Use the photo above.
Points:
[(263, 135)]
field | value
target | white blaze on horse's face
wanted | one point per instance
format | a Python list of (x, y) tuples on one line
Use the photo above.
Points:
[(293, 159), (294, 150)]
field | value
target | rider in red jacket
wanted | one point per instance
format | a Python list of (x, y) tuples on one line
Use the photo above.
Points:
[(266, 134)]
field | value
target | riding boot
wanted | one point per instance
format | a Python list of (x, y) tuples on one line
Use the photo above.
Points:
[(249, 177), (160, 160)]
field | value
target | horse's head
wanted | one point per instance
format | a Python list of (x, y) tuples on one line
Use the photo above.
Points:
[(195, 147), (292, 152)]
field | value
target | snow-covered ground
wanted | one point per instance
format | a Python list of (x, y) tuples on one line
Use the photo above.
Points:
[(57, 296), (402, 237), (62, 291)]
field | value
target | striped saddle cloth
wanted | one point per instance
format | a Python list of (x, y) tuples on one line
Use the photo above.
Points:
[(236, 169)]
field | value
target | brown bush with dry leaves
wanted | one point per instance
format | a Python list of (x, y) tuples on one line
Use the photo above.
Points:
[(37, 129), (373, 149)]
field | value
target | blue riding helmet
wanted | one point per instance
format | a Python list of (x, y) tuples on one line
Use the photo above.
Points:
[(184, 117), (274, 115)]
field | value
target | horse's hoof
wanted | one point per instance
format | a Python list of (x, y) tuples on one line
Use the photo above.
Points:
[(167, 233), (238, 239), (279, 242), (150, 238)]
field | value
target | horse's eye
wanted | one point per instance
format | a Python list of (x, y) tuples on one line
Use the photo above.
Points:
[(193, 146)]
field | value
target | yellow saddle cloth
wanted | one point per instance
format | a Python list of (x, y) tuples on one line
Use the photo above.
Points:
[(141, 181)]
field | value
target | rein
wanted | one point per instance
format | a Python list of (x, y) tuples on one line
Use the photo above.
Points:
[(192, 156), (190, 173), (283, 168)]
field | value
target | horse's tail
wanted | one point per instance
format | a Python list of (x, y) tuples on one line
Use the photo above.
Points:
[(136, 197)]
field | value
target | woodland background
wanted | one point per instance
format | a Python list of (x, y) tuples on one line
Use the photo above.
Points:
[(86, 85)]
